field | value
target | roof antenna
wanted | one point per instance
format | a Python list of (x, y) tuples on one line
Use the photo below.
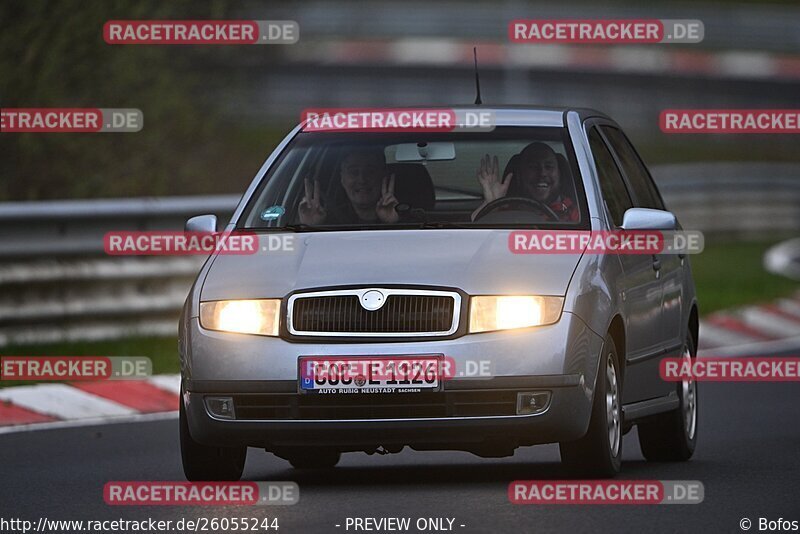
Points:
[(477, 78)]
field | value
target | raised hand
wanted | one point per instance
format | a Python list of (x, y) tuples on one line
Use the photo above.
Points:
[(311, 209), (489, 178), (385, 209)]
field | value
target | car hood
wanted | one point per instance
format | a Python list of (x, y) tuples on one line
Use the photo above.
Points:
[(476, 261)]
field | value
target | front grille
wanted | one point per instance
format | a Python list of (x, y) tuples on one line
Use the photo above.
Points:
[(343, 314), (283, 406)]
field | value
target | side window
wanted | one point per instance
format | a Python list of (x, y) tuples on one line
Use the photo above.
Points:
[(613, 187), (639, 179)]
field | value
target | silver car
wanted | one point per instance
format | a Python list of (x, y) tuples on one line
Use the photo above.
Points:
[(384, 306)]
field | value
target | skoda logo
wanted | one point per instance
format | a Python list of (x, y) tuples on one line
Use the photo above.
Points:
[(372, 300)]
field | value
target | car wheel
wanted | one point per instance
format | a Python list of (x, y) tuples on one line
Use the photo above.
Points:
[(205, 463), (672, 436), (314, 458), (599, 452)]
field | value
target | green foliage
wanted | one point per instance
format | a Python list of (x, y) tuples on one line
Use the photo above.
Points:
[(162, 351), (730, 274), (52, 54)]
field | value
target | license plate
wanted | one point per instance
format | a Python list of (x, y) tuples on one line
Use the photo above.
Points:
[(350, 374)]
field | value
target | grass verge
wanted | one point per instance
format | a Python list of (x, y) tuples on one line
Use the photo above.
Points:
[(163, 351), (730, 273)]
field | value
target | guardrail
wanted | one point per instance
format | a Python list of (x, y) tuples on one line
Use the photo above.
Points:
[(57, 285), (66, 228)]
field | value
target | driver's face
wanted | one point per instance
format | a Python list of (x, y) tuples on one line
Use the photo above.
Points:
[(538, 174), (361, 178)]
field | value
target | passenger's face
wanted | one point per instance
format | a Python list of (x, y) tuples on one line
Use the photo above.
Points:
[(538, 174), (361, 178)]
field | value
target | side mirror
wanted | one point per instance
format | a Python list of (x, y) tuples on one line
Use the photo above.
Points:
[(649, 219), (201, 223)]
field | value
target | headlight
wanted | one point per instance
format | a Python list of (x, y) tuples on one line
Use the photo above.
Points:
[(260, 317), (504, 312)]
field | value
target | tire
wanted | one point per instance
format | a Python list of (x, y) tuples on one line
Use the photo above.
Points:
[(599, 452), (672, 436), (314, 458), (205, 463)]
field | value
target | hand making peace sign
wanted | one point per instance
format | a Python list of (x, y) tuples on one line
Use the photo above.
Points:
[(385, 209), (311, 209)]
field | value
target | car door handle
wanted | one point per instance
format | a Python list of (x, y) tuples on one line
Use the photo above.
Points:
[(656, 264)]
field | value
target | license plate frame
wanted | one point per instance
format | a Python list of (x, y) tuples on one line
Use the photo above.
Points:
[(407, 380)]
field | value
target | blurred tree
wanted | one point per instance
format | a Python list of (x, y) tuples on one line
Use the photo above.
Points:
[(52, 54)]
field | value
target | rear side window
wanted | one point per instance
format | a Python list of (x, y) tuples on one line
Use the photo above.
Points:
[(616, 196), (639, 179)]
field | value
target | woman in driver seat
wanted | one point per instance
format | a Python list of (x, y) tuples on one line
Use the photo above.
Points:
[(534, 173)]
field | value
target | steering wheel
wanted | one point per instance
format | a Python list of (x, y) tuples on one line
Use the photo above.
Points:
[(528, 203)]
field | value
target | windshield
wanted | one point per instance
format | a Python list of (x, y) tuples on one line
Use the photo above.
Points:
[(511, 177)]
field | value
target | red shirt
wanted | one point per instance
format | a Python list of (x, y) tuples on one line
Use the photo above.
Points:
[(566, 209)]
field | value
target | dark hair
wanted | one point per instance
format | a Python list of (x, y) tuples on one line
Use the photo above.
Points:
[(340, 209), (372, 151), (516, 188)]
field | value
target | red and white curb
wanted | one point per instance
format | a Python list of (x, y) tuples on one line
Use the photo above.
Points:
[(84, 403), (753, 330)]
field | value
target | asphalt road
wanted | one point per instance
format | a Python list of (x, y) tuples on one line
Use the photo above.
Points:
[(748, 459)]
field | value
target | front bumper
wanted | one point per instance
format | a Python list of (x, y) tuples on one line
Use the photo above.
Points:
[(566, 418), (560, 359)]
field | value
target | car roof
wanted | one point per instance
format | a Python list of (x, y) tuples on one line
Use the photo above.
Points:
[(534, 115), (520, 115)]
